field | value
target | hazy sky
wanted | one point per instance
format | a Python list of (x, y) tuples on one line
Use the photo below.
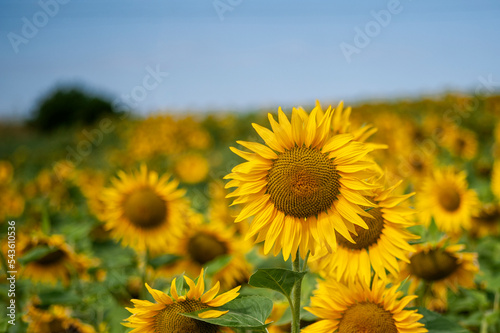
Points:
[(238, 54)]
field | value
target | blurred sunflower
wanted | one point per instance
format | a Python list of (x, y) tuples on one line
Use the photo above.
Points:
[(441, 266), (377, 247), (446, 198), (144, 210), (359, 308), (6, 172), (56, 261), (12, 203), (202, 243), (220, 208), (163, 316), (49, 185), (192, 168), (304, 184), (495, 179), (56, 319), (460, 142), (486, 221), (91, 184)]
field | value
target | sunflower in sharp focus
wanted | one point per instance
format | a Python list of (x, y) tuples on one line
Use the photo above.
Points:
[(57, 262), (359, 308), (304, 184), (377, 247), (164, 315), (202, 243), (486, 221), (144, 211), (56, 319), (442, 267), (446, 198)]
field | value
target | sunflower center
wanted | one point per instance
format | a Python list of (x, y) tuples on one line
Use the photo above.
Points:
[(169, 320), (145, 209), (204, 248), (449, 198), (303, 182), (367, 317), (488, 215), (433, 265), (56, 326), (51, 258), (365, 237)]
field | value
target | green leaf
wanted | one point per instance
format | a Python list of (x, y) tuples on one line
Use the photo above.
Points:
[(180, 285), (246, 312), (436, 323), (45, 220), (58, 296), (278, 279), (35, 254), (163, 260), (217, 264)]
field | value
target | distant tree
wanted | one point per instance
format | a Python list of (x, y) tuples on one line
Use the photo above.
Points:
[(68, 107)]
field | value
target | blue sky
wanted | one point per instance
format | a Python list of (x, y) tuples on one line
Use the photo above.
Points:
[(256, 54)]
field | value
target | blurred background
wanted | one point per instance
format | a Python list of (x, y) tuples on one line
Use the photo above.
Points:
[(240, 55)]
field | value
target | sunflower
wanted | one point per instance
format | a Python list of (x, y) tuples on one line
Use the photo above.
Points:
[(460, 142), (487, 221), (144, 210), (377, 247), (202, 243), (58, 261), (220, 208), (91, 183), (495, 178), (359, 308), (6, 172), (56, 319), (12, 202), (341, 124), (164, 315), (440, 266), (445, 197), (304, 184), (192, 168)]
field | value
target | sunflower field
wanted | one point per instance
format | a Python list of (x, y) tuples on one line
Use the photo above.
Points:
[(383, 217)]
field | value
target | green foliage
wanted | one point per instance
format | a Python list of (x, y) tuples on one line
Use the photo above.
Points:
[(248, 312), (436, 323), (278, 279), (68, 107)]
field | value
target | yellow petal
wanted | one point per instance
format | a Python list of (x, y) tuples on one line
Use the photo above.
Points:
[(212, 314)]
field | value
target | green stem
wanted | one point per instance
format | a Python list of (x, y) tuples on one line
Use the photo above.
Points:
[(496, 301), (296, 291), (144, 272)]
